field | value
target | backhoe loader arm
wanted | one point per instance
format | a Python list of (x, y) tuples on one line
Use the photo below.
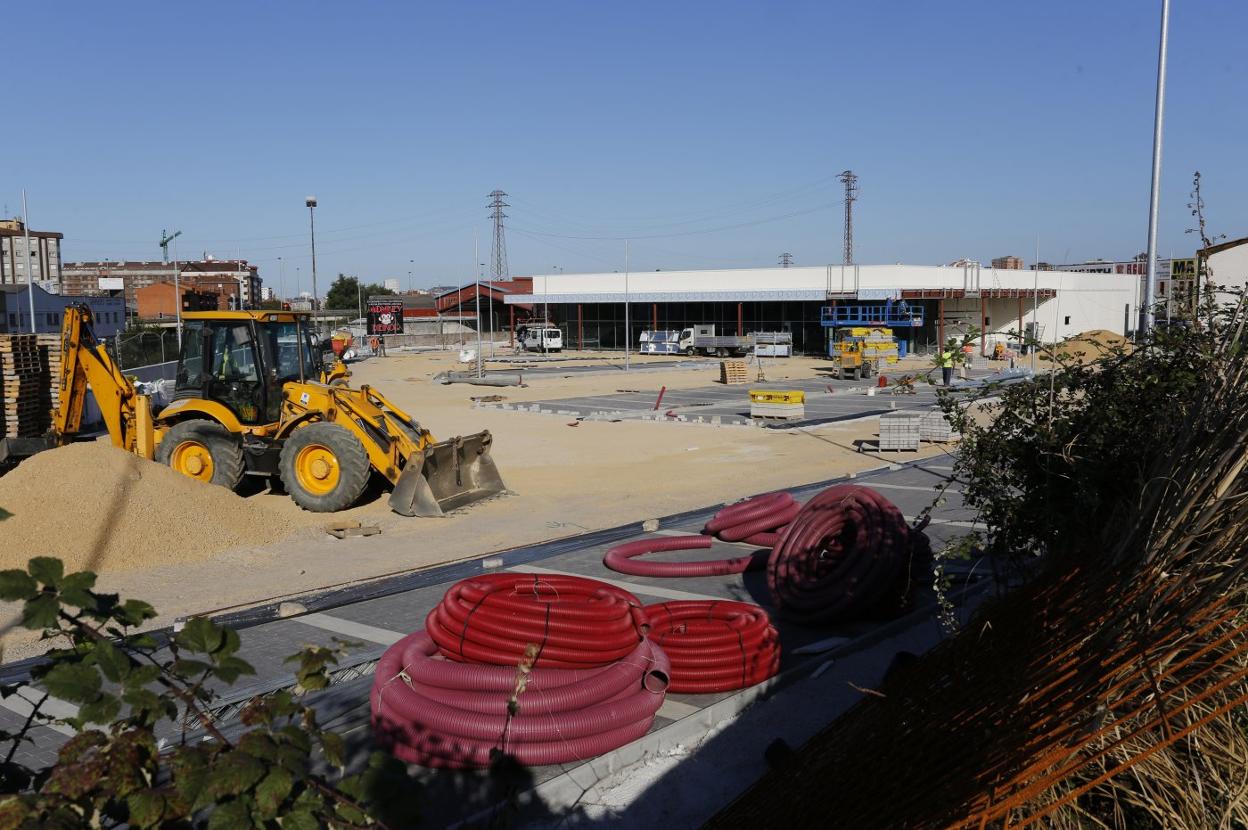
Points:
[(86, 362)]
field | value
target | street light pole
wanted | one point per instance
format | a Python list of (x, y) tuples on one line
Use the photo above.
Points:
[(1150, 289), (410, 263), (281, 281), (627, 335), (177, 291), (30, 275), (311, 203)]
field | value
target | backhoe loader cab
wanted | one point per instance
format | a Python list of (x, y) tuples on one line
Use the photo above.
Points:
[(251, 396)]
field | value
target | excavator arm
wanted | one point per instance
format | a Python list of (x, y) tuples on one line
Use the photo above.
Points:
[(86, 363)]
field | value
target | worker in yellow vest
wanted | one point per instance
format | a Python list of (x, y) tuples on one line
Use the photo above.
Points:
[(945, 361)]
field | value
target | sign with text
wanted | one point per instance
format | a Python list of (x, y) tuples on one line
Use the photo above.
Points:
[(385, 315)]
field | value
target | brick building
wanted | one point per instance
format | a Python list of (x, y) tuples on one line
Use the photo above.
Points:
[(234, 281), (159, 300)]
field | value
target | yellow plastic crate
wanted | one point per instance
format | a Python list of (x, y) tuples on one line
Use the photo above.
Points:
[(777, 396)]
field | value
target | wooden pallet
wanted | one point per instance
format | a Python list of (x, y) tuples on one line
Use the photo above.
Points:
[(733, 371)]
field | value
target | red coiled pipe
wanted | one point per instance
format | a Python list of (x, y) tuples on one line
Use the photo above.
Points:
[(439, 713), (620, 558), (846, 554), (756, 520), (715, 646), (575, 622), (753, 521)]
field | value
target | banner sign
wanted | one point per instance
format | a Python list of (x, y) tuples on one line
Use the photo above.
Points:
[(385, 315)]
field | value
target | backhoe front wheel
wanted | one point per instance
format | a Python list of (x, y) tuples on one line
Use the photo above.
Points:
[(324, 467), (203, 450)]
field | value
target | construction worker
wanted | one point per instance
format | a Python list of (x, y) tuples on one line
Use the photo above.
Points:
[(945, 361)]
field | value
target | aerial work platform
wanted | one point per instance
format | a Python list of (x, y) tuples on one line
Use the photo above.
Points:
[(890, 314)]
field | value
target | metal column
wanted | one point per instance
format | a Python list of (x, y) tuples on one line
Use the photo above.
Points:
[(983, 326), (940, 325), (580, 329)]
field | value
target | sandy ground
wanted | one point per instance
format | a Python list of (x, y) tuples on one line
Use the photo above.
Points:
[(563, 481)]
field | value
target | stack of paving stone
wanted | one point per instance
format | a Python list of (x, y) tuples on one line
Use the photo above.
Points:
[(22, 387)]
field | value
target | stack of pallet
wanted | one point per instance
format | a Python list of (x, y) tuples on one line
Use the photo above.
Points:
[(21, 387), (732, 371), (50, 363)]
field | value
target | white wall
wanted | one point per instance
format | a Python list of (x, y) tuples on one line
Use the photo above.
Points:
[(1229, 269)]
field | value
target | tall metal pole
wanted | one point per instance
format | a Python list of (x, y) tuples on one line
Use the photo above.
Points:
[(30, 275), (480, 265), (627, 331), (177, 292), (1035, 302), (281, 281), (476, 291), (311, 203), (1150, 289)]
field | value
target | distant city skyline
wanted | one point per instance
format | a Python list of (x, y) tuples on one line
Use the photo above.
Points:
[(708, 135)]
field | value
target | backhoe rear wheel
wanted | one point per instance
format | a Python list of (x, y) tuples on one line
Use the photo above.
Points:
[(324, 467), (203, 450)]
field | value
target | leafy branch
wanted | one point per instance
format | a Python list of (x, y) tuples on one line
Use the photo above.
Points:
[(125, 683)]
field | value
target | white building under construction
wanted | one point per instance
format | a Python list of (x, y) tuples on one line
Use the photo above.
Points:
[(939, 302)]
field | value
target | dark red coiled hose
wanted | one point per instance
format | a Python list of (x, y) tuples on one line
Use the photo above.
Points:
[(715, 646), (620, 558), (754, 521), (575, 622), (439, 713), (846, 554)]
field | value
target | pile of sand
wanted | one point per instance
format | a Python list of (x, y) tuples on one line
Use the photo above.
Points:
[(1088, 346), (103, 509)]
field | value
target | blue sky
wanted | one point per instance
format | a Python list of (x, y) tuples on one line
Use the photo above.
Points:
[(709, 134)]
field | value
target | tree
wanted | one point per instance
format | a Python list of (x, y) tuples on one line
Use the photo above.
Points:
[(346, 292)]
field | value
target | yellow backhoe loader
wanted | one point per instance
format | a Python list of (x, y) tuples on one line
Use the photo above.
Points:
[(251, 397)]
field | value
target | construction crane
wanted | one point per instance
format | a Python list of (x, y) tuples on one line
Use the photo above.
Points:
[(165, 239)]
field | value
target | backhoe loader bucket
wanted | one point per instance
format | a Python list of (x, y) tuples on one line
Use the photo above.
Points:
[(446, 476)]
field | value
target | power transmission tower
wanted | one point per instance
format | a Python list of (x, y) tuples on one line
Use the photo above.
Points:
[(786, 259), (499, 268), (851, 195)]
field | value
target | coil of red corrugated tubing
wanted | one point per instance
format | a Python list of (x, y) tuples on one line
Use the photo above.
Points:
[(715, 646), (846, 555), (755, 521), (558, 669)]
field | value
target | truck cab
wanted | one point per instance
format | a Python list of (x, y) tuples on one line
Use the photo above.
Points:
[(702, 338)]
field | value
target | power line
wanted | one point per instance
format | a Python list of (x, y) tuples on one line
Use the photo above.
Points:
[(680, 219), (735, 226), (786, 259)]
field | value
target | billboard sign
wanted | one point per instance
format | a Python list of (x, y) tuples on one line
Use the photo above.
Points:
[(385, 315), (111, 284)]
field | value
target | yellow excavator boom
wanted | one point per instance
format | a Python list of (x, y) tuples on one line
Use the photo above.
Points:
[(86, 363)]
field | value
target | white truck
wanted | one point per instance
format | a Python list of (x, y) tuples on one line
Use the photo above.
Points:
[(702, 339), (540, 339)]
